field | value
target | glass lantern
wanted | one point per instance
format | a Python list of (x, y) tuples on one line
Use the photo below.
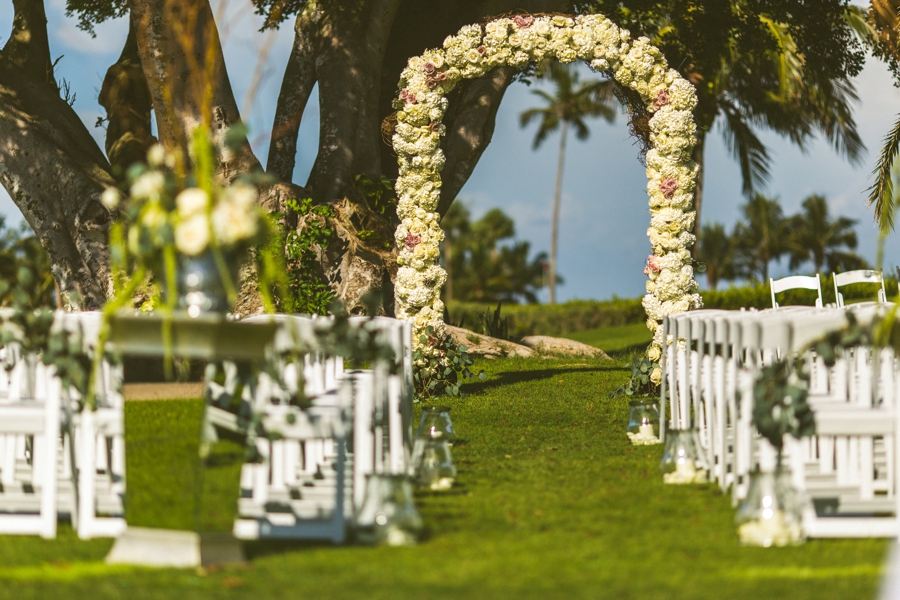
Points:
[(388, 514), (643, 423), (771, 514), (683, 460), (436, 423), (432, 464)]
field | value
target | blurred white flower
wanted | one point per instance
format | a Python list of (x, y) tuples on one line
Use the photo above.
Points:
[(192, 235), (191, 201), (111, 198), (233, 221), (150, 185), (156, 155)]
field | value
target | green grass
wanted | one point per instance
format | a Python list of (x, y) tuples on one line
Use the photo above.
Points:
[(167, 487), (552, 502), (618, 338)]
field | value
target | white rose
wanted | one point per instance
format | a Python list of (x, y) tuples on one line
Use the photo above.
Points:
[(192, 235), (191, 201), (233, 222)]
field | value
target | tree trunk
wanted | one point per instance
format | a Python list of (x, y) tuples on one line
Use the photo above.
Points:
[(126, 98), (181, 55), (697, 156), (557, 199), (50, 164)]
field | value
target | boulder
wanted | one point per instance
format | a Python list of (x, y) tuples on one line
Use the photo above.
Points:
[(554, 346)]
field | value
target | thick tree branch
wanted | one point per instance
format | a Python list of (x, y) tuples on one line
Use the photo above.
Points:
[(54, 172), (181, 55), (126, 98), (469, 130), (296, 87), (28, 47)]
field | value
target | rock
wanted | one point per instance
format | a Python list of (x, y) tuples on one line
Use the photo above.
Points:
[(531, 346), (544, 344), (486, 346)]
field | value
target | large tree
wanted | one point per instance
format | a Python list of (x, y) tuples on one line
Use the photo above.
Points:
[(172, 65)]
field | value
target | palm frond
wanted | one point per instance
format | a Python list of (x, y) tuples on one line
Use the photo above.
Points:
[(881, 193), (858, 21), (752, 154)]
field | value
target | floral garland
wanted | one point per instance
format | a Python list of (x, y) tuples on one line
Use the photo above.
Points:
[(518, 42)]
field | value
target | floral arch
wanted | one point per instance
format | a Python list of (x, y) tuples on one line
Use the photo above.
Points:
[(517, 42)]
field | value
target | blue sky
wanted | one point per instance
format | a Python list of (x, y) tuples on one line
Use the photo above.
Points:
[(604, 211)]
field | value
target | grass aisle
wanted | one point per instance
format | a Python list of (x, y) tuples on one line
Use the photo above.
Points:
[(552, 502)]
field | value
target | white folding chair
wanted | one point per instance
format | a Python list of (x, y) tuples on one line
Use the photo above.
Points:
[(29, 476), (860, 276), (795, 282)]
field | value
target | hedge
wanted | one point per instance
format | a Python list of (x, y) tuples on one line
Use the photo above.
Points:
[(582, 315)]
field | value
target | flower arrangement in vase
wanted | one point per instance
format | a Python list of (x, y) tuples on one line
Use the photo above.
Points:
[(186, 232)]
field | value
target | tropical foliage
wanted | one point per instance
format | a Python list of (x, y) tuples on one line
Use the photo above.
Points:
[(779, 65), (484, 261), (811, 237)]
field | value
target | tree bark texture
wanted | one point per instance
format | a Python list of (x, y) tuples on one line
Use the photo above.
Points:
[(50, 164), (128, 104)]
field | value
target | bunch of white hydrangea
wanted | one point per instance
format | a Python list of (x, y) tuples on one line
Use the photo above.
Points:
[(517, 42)]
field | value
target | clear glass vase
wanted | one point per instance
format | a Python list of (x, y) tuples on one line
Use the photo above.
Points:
[(436, 423), (432, 464), (683, 460), (388, 514), (771, 514), (200, 285), (643, 423)]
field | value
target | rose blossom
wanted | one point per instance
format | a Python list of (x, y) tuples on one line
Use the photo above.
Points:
[(668, 188), (429, 68), (653, 263), (523, 21), (411, 241), (662, 98)]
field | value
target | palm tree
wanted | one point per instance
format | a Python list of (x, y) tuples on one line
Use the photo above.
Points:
[(750, 75), (815, 237), (716, 249), (761, 237), (572, 102)]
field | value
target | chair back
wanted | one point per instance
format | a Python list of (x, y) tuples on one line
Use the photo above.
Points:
[(796, 282), (859, 276)]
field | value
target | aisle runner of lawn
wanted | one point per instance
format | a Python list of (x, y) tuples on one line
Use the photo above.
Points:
[(552, 503)]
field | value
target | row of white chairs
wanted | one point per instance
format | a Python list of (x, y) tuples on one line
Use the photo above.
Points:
[(311, 481), (57, 461), (814, 283), (54, 459), (847, 471)]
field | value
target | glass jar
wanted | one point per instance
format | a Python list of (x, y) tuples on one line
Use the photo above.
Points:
[(643, 423), (436, 423), (432, 464), (683, 460), (771, 514), (388, 514)]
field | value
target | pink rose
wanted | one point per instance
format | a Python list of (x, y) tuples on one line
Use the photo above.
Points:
[(662, 98), (411, 242), (481, 49), (523, 21), (668, 188), (407, 97), (429, 68), (652, 265)]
